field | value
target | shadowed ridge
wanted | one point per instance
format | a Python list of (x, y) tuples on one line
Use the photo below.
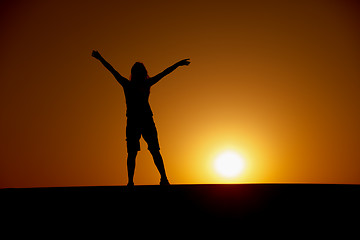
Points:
[(259, 204)]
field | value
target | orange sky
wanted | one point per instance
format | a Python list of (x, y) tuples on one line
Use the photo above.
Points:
[(277, 81)]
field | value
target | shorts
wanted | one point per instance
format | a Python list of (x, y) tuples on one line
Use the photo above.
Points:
[(144, 126)]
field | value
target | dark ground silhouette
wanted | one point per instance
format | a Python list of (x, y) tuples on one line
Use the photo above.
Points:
[(303, 208)]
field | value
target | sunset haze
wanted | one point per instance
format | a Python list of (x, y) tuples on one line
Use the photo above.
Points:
[(278, 82)]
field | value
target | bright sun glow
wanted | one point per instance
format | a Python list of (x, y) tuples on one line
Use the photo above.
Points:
[(229, 164)]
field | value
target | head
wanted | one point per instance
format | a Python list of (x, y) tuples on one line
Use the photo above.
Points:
[(138, 72)]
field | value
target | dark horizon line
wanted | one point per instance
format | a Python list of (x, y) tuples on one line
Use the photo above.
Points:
[(184, 185)]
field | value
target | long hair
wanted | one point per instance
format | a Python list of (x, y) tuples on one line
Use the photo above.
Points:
[(138, 73)]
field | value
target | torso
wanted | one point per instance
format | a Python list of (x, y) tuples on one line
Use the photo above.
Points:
[(137, 100)]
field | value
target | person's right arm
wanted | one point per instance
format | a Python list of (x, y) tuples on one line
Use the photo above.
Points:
[(123, 81)]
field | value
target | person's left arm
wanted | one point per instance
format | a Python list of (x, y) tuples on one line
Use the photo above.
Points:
[(168, 70)]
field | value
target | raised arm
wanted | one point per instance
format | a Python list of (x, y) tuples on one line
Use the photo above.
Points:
[(117, 75), (170, 69)]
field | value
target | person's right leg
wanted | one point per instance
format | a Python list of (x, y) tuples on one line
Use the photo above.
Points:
[(133, 135), (131, 167)]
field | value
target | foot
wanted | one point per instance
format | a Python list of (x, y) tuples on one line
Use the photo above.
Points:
[(130, 184), (164, 182)]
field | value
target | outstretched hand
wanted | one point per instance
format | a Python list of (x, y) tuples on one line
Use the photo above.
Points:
[(184, 62), (96, 54)]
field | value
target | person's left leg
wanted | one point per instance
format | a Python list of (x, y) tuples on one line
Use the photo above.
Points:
[(149, 134), (159, 163)]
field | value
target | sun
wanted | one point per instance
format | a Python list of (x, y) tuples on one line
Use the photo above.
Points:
[(229, 164)]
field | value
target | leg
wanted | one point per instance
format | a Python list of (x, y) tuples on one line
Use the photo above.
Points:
[(149, 133), (133, 135), (159, 163), (131, 167)]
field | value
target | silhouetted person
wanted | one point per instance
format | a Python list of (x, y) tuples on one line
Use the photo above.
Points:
[(139, 115)]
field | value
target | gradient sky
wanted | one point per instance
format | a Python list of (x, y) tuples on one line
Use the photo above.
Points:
[(277, 81)]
